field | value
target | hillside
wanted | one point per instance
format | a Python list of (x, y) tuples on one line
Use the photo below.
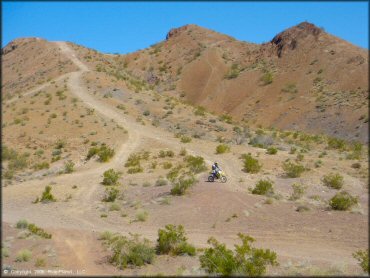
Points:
[(303, 79)]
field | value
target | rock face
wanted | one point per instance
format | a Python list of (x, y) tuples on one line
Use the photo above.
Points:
[(175, 31), (290, 38)]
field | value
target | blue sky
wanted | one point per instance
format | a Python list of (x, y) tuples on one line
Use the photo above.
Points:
[(122, 27)]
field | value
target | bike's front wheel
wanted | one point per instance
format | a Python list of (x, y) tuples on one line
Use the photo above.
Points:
[(223, 179)]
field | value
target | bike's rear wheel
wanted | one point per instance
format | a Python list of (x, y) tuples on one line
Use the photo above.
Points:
[(211, 178)]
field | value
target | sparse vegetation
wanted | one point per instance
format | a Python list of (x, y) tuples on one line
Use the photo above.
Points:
[(342, 201), (104, 153), (271, 150), (128, 251), (172, 240), (195, 164), (222, 149), (185, 139), (22, 224), (251, 165), (23, 255), (363, 259), (267, 78), (161, 182), (46, 196), (111, 194), (263, 187), (111, 177), (298, 191), (182, 184), (333, 180), (244, 260), (293, 170), (141, 215), (38, 231), (69, 167)]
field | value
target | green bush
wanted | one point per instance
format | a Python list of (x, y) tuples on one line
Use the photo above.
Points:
[(199, 111), (251, 165), (174, 173), (185, 139), (172, 240), (222, 149), (135, 170), (182, 184), (267, 78), (271, 150), (336, 143), (38, 231), (69, 167), (342, 201), (293, 170), (42, 165), (46, 196), (167, 165), (111, 177), (23, 255), (161, 182), (129, 252), (40, 262), (19, 162), (110, 194), (141, 215), (290, 88), (333, 180), (103, 152), (363, 258), (195, 164), (263, 187), (7, 153), (245, 260), (4, 252), (233, 72), (298, 191), (22, 224)]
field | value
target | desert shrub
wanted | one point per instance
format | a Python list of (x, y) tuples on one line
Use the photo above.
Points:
[(182, 184), (69, 167), (161, 182), (166, 153), (363, 259), (130, 251), (298, 191), (133, 160), (222, 148), (290, 88), (110, 194), (146, 113), (263, 187), (103, 152), (271, 150), (40, 262), (19, 162), (172, 240), (9, 174), (38, 231), (46, 196), (114, 207), (7, 153), (23, 255), (185, 139), (233, 72), (167, 165), (4, 252), (141, 215), (199, 111), (22, 224), (251, 165), (293, 150), (267, 78), (111, 177), (333, 180), (135, 170), (245, 260), (60, 144), (174, 173), (183, 152), (293, 170), (356, 165), (42, 165), (195, 164), (336, 143), (226, 118), (342, 201), (261, 141)]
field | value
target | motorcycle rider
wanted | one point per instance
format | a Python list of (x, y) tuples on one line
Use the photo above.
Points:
[(216, 169)]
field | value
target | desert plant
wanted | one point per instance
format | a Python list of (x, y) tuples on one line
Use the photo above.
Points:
[(182, 184), (363, 259), (22, 224), (298, 191), (251, 165), (104, 153), (290, 88), (245, 260), (183, 152), (336, 143), (293, 170), (46, 195), (4, 252), (333, 180), (185, 139), (271, 150), (141, 215), (111, 177), (40, 262), (110, 194), (263, 187), (222, 148), (195, 164), (69, 167), (267, 78), (38, 231), (161, 182), (130, 251), (172, 240), (23, 255), (199, 111), (114, 207), (342, 201)]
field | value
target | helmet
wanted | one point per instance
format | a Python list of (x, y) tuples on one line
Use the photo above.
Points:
[(216, 163)]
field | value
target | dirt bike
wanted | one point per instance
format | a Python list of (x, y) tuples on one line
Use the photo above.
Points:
[(221, 176)]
